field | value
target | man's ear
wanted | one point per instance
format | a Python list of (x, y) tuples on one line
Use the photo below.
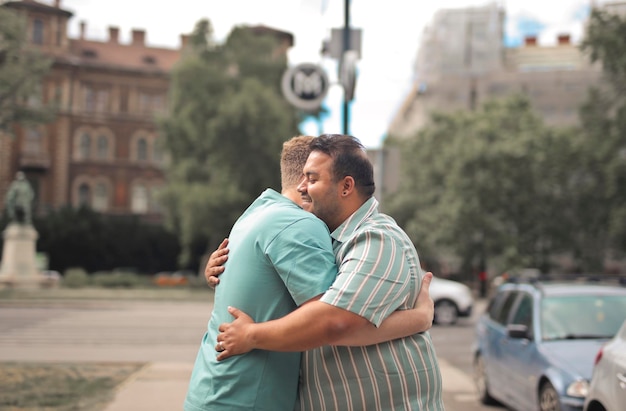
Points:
[(348, 185)]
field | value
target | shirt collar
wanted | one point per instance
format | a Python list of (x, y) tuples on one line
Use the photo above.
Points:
[(345, 230)]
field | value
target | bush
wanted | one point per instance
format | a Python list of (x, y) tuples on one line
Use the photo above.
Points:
[(97, 242), (117, 279), (75, 278)]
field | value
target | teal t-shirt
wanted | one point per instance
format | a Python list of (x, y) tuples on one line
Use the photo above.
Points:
[(280, 257)]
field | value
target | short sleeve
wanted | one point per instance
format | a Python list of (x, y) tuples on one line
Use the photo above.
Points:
[(374, 277), (302, 255)]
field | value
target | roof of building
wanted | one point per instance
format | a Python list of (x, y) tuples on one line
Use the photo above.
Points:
[(123, 56), (34, 5)]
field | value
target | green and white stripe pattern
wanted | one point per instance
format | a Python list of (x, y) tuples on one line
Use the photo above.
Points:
[(379, 272)]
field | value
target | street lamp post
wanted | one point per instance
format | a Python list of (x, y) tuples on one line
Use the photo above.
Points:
[(346, 47)]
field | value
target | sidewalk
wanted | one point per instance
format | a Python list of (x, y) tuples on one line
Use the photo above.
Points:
[(156, 387), (163, 386), (164, 335)]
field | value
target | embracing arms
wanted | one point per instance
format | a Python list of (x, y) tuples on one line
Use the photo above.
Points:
[(315, 323)]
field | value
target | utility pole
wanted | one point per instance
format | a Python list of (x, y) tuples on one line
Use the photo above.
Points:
[(346, 47)]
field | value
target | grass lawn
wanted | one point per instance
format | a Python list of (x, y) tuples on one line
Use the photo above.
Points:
[(74, 386), (60, 386)]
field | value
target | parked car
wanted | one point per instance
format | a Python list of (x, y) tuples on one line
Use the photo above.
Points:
[(452, 300), (536, 342), (607, 391)]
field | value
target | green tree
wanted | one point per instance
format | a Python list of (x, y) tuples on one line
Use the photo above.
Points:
[(603, 138), (605, 42), (224, 133), (22, 69), (484, 187)]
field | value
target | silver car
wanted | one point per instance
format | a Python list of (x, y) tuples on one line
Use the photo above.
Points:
[(607, 391), (452, 300)]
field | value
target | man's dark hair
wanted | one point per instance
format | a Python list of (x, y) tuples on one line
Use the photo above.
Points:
[(349, 159)]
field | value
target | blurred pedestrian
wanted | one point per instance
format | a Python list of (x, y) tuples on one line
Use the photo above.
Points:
[(482, 281)]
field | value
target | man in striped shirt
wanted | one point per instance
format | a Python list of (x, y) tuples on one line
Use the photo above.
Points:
[(379, 272)]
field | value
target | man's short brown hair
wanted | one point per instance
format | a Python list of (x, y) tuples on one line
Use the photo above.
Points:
[(293, 158)]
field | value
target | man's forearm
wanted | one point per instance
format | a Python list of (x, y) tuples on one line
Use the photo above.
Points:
[(399, 324), (313, 325)]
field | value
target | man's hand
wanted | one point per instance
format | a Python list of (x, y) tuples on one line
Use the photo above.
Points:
[(215, 265), (233, 338), (424, 308)]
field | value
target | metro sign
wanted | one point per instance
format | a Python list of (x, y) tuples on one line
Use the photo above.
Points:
[(305, 86)]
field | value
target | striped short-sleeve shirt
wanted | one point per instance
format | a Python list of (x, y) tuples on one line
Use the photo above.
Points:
[(379, 272)]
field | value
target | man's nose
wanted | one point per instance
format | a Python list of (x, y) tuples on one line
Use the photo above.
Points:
[(301, 187)]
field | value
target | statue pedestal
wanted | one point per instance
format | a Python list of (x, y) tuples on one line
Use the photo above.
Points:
[(19, 268)]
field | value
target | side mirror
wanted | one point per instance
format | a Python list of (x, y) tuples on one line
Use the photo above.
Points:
[(518, 331)]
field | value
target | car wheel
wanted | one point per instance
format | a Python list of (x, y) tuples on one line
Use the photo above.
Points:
[(480, 379), (548, 398), (446, 312)]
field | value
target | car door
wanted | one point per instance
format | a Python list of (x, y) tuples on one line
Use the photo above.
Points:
[(495, 335), (520, 355), (615, 369)]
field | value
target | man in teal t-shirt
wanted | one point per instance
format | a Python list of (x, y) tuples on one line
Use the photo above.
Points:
[(283, 257)]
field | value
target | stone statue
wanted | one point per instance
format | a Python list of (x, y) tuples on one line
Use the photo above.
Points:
[(19, 200)]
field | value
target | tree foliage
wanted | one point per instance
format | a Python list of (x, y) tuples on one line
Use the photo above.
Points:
[(605, 42), (224, 133), (484, 184), (604, 131), (498, 185), (22, 69)]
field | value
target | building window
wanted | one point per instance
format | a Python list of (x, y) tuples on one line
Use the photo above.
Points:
[(84, 195), (157, 153), (59, 35), (85, 146), (103, 148), (139, 199), (33, 141), (38, 31), (101, 197), (96, 99), (90, 99), (124, 99), (142, 149), (151, 102)]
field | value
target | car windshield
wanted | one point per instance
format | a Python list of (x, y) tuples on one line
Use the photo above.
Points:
[(583, 316)]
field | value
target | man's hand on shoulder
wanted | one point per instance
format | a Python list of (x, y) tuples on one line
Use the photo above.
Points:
[(424, 308), (215, 265)]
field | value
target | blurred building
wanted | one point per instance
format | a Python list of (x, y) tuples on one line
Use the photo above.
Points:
[(102, 149), (463, 61), (386, 171)]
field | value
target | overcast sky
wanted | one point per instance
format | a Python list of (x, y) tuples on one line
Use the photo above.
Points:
[(391, 35)]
